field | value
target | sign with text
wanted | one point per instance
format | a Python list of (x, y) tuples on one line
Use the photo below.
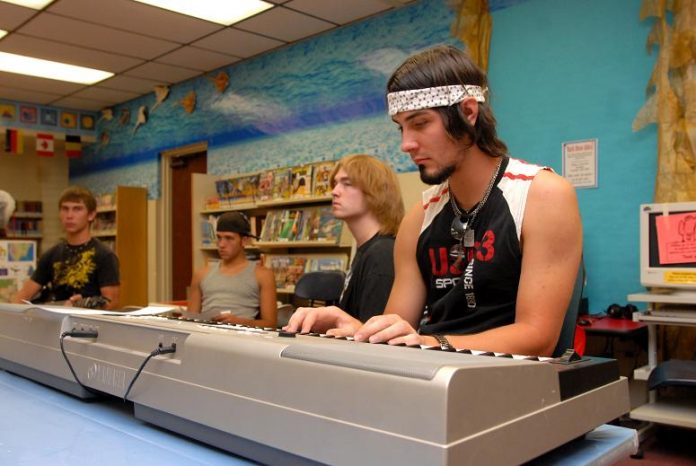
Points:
[(580, 163)]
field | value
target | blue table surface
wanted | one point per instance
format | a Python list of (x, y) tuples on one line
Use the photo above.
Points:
[(40, 426)]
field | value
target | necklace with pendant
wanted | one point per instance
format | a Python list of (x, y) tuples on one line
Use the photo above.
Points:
[(462, 225)]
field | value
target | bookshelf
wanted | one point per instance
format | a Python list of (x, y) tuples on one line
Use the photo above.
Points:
[(121, 224), (287, 254), (316, 254), (26, 222)]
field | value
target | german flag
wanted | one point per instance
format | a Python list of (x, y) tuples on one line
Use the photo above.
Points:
[(73, 146), (14, 141)]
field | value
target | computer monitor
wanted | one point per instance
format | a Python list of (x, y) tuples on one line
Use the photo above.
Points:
[(668, 246)]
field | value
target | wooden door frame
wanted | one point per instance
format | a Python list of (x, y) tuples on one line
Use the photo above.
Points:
[(164, 216)]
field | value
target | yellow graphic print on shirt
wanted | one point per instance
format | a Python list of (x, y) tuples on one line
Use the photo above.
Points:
[(75, 271)]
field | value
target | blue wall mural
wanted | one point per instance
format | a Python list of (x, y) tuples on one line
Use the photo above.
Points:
[(560, 70), (317, 100)]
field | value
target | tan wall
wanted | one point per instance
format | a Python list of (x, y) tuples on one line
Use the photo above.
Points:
[(28, 177)]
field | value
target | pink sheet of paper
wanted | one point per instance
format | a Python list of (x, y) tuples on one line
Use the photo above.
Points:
[(676, 238)]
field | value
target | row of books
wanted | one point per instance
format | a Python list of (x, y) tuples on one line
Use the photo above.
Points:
[(104, 223), (287, 269), (26, 207), (312, 180), (303, 224), (106, 200), (24, 227)]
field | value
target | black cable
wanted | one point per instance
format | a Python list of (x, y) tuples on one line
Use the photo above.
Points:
[(156, 352), (77, 334)]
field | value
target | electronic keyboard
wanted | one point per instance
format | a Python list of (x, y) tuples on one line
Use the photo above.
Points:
[(280, 398)]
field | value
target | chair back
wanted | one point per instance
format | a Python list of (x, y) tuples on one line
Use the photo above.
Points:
[(323, 286), (567, 338)]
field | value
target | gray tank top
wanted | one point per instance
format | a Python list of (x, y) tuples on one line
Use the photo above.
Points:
[(238, 293)]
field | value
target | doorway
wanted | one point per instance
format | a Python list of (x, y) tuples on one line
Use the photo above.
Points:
[(182, 263), (173, 243)]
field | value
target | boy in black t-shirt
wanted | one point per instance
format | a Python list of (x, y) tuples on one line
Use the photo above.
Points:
[(79, 271), (366, 196)]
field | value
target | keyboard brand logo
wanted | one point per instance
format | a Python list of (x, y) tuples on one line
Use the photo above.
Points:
[(107, 375)]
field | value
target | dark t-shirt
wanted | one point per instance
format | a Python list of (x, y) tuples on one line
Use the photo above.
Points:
[(370, 278), (66, 270)]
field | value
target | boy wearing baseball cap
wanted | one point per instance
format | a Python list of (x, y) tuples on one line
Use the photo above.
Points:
[(234, 290)]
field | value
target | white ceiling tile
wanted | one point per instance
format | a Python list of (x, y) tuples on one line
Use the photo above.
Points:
[(112, 96), (12, 16), (30, 96), (137, 17), (196, 58), (80, 104), (147, 46), (21, 81), (284, 24), (75, 32), (339, 11), (239, 43), (64, 53), (129, 83), (163, 73)]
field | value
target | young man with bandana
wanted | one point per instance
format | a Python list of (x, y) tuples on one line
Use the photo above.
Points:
[(79, 271), (489, 259)]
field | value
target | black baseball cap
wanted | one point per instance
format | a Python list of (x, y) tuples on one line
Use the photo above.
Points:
[(235, 222)]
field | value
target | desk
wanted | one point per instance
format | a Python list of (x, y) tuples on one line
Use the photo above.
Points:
[(42, 426), (611, 328), (608, 326)]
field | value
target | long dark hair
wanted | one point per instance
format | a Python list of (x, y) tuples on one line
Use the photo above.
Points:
[(445, 65)]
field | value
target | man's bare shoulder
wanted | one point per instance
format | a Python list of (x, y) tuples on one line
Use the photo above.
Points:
[(262, 271), (547, 183), (202, 272)]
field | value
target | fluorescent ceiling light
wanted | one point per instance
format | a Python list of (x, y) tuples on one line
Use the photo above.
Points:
[(222, 12), (35, 4), (50, 69), (2, 33)]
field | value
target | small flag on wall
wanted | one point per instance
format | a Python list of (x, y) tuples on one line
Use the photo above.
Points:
[(73, 146), (44, 145), (14, 141)]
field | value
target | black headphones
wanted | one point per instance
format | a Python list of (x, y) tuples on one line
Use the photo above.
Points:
[(616, 311)]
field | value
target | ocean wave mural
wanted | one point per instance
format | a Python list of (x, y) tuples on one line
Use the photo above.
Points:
[(319, 99)]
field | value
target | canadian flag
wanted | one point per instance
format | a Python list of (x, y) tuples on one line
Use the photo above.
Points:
[(44, 145)]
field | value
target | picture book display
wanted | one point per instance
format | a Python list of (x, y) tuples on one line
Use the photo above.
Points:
[(282, 183), (17, 263), (329, 226), (321, 174), (307, 224), (301, 181), (264, 191), (288, 268), (237, 190)]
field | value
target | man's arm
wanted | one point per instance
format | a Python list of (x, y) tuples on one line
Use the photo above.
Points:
[(113, 294), (28, 290), (195, 297), (268, 301)]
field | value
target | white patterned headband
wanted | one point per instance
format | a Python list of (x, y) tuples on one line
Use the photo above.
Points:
[(443, 96)]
